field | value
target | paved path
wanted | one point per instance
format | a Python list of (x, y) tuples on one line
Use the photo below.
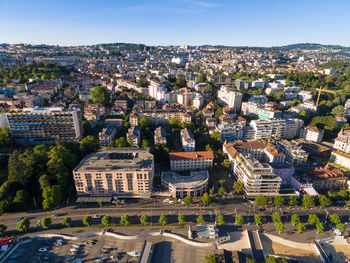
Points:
[(289, 243)]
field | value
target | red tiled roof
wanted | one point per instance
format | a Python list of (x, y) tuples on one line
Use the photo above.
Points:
[(191, 155)]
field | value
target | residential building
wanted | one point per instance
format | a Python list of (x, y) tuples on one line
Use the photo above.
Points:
[(305, 95), (187, 140), (181, 161), (328, 178), (229, 129), (106, 136), (179, 186), (160, 136), (43, 125), (94, 111), (242, 84), (229, 97), (161, 116), (341, 159), (125, 172), (197, 102), (312, 133), (258, 177), (342, 142), (134, 134), (295, 155), (277, 129)]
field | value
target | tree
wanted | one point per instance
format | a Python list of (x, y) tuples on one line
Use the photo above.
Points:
[(226, 163), (313, 219), (89, 144), (341, 227), (324, 201), (52, 196), (258, 219), (23, 225), (308, 201), (238, 186), (188, 200), (144, 219), (5, 137), (163, 219), (66, 221), (279, 227), (21, 197), (239, 220), (343, 194), (175, 123), (125, 219), (334, 218), (210, 259), (200, 220), (100, 95), (221, 191), (182, 219), (205, 199), (294, 219), (44, 181), (271, 259), (338, 111), (292, 201), (261, 200), (220, 219), (145, 143), (319, 227), (45, 222), (87, 220), (278, 201), (250, 260), (300, 227), (99, 201), (106, 220), (2, 229), (276, 218)]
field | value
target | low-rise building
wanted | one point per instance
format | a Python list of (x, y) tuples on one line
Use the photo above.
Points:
[(134, 134), (106, 136), (121, 171), (181, 161), (187, 140), (179, 186), (295, 155), (328, 178), (160, 136), (312, 133)]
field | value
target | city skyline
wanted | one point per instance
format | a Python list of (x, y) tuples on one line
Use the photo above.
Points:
[(176, 22)]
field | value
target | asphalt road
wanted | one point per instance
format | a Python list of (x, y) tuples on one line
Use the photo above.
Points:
[(171, 211)]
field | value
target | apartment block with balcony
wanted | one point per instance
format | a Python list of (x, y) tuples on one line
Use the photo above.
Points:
[(125, 172), (43, 126), (160, 136), (311, 133), (187, 140)]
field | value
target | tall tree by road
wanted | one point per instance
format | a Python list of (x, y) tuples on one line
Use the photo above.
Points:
[(100, 95)]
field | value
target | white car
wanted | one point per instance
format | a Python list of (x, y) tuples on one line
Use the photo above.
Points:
[(97, 216)]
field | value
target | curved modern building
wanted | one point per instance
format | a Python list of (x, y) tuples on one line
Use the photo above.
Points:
[(180, 186)]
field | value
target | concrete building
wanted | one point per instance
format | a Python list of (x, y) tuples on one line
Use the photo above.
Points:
[(134, 134), (229, 97), (179, 186), (342, 142), (160, 116), (125, 172), (295, 155), (187, 140), (328, 178), (106, 136), (242, 84), (341, 159), (277, 129), (311, 133), (160, 136), (182, 161), (43, 126)]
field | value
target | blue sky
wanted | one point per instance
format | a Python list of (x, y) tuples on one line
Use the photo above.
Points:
[(175, 22)]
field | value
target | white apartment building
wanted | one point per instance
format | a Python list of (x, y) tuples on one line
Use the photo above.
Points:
[(187, 140), (305, 95), (229, 97), (182, 161), (342, 142), (340, 158), (277, 129), (311, 133), (197, 102), (258, 177)]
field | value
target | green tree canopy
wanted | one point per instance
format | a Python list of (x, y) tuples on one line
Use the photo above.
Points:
[(280, 227), (278, 201), (89, 144), (308, 201), (220, 219), (45, 222), (205, 199), (258, 219), (100, 95), (125, 220), (163, 219), (239, 220), (300, 227), (238, 186), (200, 220), (52, 196), (334, 218), (182, 219), (2, 229), (313, 219), (262, 200), (106, 220), (294, 219), (87, 220), (23, 225), (66, 221), (144, 219), (276, 218)]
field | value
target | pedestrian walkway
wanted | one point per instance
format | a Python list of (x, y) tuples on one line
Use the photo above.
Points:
[(289, 243)]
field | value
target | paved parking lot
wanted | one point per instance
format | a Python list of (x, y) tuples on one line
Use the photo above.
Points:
[(166, 250)]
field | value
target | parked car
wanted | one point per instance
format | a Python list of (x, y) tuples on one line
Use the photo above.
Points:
[(19, 218), (97, 216)]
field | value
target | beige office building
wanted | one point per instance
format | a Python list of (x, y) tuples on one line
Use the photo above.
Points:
[(126, 172)]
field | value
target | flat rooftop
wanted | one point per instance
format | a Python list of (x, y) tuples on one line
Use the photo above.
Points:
[(194, 179), (109, 159)]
